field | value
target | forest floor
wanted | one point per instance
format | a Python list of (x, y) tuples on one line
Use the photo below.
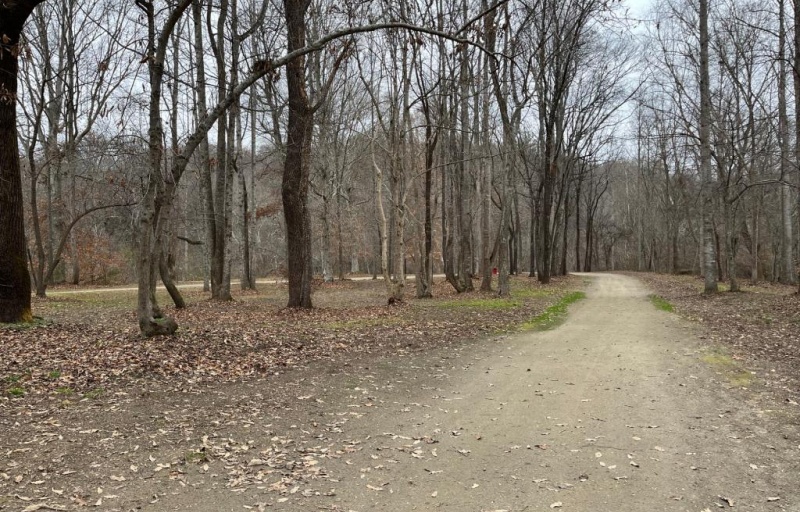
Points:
[(444, 404)]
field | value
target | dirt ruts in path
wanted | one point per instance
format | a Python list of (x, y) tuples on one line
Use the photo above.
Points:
[(612, 411)]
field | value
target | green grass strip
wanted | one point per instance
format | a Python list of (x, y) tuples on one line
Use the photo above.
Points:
[(661, 303), (481, 303), (554, 315)]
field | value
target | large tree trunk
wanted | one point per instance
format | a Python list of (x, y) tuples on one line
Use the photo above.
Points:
[(788, 275), (156, 203), (201, 113), (166, 263), (550, 175), (509, 152), (504, 230), (220, 271), (464, 210), (486, 178), (248, 279), (394, 287), (248, 210), (796, 77), (447, 226), (565, 239), (425, 274), (709, 256), (296, 168), (578, 224), (15, 281)]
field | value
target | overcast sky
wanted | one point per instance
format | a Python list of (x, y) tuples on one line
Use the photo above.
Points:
[(638, 7)]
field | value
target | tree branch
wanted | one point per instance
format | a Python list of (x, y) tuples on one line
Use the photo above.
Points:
[(189, 240)]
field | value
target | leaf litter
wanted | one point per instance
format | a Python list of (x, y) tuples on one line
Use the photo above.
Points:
[(87, 376)]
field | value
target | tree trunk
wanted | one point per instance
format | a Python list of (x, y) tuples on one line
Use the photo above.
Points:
[(578, 225), (731, 244), (503, 282), (755, 244), (486, 226), (788, 275), (709, 256), (325, 253), (486, 177), (166, 263), (201, 113), (294, 189), (425, 275), (391, 287), (157, 196), (447, 227), (532, 235), (550, 174), (223, 186), (248, 282), (565, 237), (796, 77), (15, 281), (516, 233), (464, 211), (165, 270)]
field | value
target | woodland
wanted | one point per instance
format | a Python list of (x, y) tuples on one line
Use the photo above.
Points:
[(296, 255), (163, 141)]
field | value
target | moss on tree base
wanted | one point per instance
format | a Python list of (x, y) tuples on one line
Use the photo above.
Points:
[(164, 326)]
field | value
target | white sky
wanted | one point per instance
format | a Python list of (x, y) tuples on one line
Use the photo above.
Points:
[(638, 7)]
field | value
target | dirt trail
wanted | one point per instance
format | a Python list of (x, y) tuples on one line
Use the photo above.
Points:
[(612, 411)]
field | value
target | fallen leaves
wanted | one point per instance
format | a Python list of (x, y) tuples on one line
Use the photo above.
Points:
[(226, 341)]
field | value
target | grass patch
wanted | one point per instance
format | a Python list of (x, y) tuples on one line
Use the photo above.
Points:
[(554, 315), (65, 391), (661, 303), (55, 374), (196, 457), (481, 303), (25, 326), (16, 391), (728, 367), (94, 394)]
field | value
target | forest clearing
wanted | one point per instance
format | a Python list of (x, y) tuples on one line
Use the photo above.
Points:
[(433, 210), (463, 402)]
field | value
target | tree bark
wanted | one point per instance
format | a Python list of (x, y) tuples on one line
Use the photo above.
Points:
[(157, 199), (709, 256), (796, 80), (464, 211), (296, 168), (15, 281), (788, 274), (486, 186)]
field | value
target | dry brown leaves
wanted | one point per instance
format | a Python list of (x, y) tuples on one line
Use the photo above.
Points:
[(90, 341)]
